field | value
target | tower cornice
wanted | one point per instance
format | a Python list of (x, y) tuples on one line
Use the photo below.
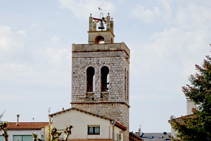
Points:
[(101, 103), (101, 32)]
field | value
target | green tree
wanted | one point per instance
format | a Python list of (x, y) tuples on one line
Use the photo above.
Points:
[(197, 127)]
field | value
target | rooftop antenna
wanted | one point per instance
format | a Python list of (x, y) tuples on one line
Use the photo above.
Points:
[(2, 116), (49, 110), (139, 129)]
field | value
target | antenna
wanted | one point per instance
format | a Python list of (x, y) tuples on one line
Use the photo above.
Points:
[(2, 115), (139, 129), (49, 110)]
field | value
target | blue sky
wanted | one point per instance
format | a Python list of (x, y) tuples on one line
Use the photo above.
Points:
[(166, 38)]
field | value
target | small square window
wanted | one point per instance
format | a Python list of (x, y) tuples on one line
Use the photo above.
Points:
[(93, 130)]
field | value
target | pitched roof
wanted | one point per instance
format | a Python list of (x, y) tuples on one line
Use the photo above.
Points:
[(135, 137), (179, 119), (26, 125), (154, 136), (111, 120)]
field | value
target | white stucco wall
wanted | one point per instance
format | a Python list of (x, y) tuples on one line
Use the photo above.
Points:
[(173, 132), (80, 122), (190, 106), (11, 133)]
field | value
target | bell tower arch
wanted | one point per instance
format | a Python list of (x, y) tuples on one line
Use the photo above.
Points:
[(100, 73)]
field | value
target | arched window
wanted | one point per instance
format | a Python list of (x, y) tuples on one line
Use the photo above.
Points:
[(90, 77), (99, 39), (104, 79)]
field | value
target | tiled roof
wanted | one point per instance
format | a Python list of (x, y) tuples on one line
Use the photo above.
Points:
[(179, 119), (116, 123), (26, 125), (154, 136), (134, 136)]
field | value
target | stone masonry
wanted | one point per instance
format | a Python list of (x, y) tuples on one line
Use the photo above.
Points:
[(114, 102)]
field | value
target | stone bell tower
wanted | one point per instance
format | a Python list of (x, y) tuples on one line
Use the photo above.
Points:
[(100, 73)]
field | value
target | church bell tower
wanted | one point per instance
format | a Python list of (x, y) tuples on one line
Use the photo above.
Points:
[(100, 73)]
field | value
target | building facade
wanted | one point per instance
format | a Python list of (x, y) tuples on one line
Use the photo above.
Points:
[(100, 73), (22, 131), (87, 126)]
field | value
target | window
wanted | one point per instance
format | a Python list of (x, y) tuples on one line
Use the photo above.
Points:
[(104, 79), (90, 77), (22, 137), (93, 130), (2, 138)]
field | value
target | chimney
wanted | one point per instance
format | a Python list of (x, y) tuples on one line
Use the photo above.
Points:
[(62, 109), (17, 123), (164, 136)]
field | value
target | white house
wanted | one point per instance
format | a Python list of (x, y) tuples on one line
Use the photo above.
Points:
[(22, 131), (87, 126), (190, 105)]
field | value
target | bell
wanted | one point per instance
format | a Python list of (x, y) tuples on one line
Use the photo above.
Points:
[(101, 26)]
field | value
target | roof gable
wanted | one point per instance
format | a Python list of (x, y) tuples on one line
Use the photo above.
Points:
[(91, 114)]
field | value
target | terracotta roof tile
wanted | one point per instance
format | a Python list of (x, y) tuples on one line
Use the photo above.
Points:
[(26, 125)]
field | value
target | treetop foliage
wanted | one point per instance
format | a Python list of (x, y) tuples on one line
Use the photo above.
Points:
[(197, 127)]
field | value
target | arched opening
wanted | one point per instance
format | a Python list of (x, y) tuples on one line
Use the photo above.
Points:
[(99, 39), (90, 77), (111, 40), (104, 79)]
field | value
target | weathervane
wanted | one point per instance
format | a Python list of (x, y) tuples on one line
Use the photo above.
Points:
[(1, 116), (102, 20), (101, 9)]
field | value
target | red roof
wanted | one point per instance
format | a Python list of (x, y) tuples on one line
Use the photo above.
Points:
[(26, 125)]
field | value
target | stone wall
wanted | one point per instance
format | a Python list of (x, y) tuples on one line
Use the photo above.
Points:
[(117, 64), (113, 103)]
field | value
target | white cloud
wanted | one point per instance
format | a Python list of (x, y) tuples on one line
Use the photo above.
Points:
[(12, 97), (14, 71), (23, 33), (55, 40), (185, 40), (193, 17), (35, 25), (51, 65), (58, 56), (147, 15), (83, 8), (11, 41)]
